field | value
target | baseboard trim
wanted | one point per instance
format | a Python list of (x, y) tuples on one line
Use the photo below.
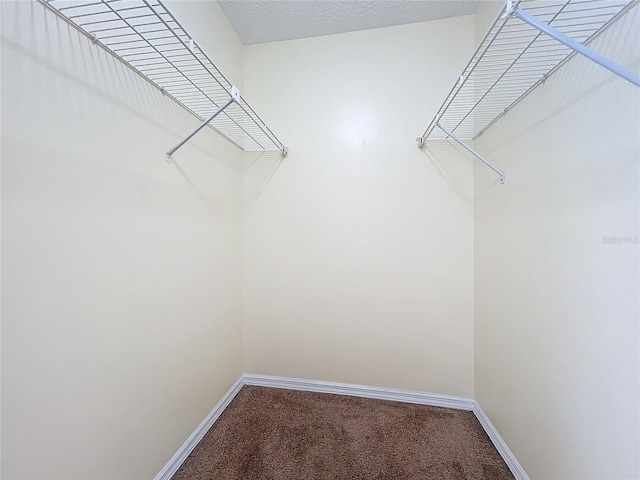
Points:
[(504, 451), (187, 447), (379, 393), (364, 391)]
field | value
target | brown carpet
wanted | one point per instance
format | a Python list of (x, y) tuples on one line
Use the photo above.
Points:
[(275, 434)]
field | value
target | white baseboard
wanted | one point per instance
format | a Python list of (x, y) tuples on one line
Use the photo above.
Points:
[(379, 393), (187, 447), (507, 455)]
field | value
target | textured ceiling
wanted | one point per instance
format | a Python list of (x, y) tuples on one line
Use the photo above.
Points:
[(260, 21)]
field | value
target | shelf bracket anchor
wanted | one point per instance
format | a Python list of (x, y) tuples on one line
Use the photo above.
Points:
[(508, 9), (577, 46), (235, 97), (473, 152)]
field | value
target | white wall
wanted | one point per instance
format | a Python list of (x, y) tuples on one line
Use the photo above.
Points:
[(556, 306), (358, 247), (121, 274)]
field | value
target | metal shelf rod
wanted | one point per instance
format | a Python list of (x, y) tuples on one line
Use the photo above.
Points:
[(200, 127), (146, 36), (473, 152), (471, 65), (516, 56), (577, 46)]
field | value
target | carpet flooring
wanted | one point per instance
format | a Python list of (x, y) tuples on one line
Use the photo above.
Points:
[(274, 434)]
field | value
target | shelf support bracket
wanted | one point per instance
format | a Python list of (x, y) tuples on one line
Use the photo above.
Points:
[(473, 152), (235, 97), (575, 45)]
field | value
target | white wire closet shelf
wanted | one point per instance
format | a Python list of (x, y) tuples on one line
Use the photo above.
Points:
[(527, 42), (148, 38)]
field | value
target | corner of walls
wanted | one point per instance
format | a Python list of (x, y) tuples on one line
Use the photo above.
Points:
[(497, 440), (363, 391), (556, 270), (358, 248), (210, 27), (174, 463), (121, 273), (483, 17)]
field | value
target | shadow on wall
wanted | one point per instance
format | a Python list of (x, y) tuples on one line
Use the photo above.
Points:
[(567, 98), (259, 169), (448, 157), (94, 72), (577, 80)]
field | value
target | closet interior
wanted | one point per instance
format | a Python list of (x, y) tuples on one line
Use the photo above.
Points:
[(307, 241), (149, 39), (528, 41)]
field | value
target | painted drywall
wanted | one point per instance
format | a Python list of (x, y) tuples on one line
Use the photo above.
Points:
[(121, 273), (358, 247), (557, 271), (210, 28), (484, 17)]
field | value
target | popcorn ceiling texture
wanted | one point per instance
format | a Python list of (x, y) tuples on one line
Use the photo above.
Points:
[(272, 434), (270, 21)]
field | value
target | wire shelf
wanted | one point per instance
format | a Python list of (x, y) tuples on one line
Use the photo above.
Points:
[(147, 37), (514, 58)]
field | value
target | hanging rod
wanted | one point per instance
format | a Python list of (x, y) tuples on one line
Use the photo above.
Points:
[(235, 97), (474, 153), (571, 43), (146, 37), (513, 59)]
